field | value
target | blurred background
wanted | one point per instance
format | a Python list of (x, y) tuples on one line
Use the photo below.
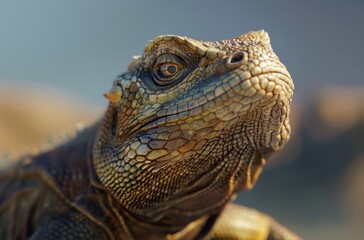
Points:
[(57, 58)]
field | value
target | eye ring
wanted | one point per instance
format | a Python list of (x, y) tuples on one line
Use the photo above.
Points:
[(168, 69)]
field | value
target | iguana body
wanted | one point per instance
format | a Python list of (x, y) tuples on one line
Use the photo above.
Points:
[(188, 126)]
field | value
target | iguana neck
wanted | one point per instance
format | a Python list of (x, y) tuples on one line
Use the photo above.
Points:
[(216, 164)]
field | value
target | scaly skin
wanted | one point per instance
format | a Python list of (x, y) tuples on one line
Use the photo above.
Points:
[(189, 125)]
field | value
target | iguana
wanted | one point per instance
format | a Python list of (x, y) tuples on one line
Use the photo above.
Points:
[(189, 125)]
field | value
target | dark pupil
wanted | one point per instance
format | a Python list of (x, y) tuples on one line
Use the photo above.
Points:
[(171, 69)]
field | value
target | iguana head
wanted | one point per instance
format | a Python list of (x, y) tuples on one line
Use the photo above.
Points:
[(191, 123)]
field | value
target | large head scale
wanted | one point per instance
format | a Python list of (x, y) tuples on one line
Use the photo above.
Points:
[(192, 122)]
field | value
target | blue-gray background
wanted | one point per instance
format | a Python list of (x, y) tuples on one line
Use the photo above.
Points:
[(81, 45)]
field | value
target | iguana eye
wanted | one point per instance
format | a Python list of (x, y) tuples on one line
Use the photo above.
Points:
[(168, 69)]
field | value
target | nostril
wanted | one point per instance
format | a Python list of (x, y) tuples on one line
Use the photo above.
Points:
[(235, 60), (237, 57)]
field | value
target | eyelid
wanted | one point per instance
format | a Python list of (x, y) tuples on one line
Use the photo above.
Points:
[(169, 58)]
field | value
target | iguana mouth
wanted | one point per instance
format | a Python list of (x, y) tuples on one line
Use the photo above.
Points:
[(277, 78)]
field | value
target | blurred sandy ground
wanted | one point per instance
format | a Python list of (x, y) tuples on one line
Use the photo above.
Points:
[(315, 186), (34, 116)]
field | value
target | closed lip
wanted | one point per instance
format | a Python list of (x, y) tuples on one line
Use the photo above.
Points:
[(153, 121)]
